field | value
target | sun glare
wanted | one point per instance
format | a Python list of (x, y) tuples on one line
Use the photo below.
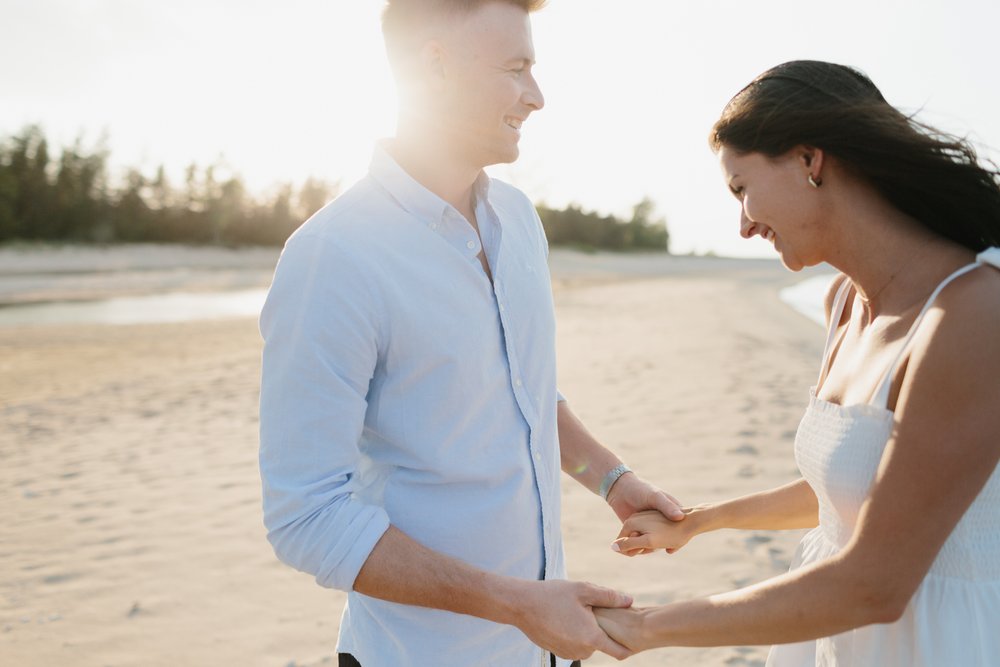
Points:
[(281, 92), (338, 98)]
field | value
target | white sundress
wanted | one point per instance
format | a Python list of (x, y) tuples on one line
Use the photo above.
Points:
[(953, 619)]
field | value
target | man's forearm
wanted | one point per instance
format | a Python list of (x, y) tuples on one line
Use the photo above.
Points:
[(596, 467), (554, 614), (402, 570), (583, 458)]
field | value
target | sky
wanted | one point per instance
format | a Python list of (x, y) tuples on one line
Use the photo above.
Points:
[(283, 91)]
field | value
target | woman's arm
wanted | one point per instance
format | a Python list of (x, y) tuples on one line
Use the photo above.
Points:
[(786, 507), (945, 446)]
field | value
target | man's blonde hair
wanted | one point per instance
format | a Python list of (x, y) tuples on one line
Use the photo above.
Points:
[(403, 20)]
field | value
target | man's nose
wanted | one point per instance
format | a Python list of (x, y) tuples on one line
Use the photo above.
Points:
[(533, 95)]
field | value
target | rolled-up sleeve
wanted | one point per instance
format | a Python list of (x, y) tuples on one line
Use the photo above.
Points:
[(321, 328)]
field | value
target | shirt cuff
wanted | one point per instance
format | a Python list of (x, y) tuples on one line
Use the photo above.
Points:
[(353, 547)]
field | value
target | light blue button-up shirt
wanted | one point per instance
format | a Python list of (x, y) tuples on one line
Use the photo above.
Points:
[(400, 386)]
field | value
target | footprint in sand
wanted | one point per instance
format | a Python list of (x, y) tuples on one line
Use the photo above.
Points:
[(745, 656), (779, 559), (756, 540)]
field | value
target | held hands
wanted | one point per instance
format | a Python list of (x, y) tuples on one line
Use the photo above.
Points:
[(631, 494), (624, 626), (647, 531), (559, 616)]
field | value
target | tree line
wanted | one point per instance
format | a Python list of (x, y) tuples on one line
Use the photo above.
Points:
[(584, 230), (71, 197)]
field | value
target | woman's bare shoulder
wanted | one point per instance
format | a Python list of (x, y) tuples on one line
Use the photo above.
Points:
[(971, 303), (961, 335)]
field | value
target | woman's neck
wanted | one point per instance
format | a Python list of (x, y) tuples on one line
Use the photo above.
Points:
[(893, 261)]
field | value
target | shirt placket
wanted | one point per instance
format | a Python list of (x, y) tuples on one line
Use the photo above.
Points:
[(523, 397)]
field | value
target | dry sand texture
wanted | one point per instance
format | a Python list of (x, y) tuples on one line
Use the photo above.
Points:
[(131, 531)]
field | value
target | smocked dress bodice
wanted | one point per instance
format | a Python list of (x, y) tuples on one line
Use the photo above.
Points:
[(954, 616)]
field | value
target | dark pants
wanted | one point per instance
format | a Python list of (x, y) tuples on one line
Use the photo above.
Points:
[(347, 660)]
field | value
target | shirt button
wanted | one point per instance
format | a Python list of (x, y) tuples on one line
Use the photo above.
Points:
[(471, 245), (517, 382), (501, 308), (538, 457), (434, 225)]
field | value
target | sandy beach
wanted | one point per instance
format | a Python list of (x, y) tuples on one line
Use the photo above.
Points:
[(132, 532)]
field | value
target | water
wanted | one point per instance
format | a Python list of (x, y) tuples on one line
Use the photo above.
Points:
[(807, 297), (152, 309)]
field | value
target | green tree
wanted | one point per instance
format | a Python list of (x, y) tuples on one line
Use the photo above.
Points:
[(644, 231), (573, 226), (313, 195), (133, 218), (8, 197), (28, 160), (80, 197), (73, 199)]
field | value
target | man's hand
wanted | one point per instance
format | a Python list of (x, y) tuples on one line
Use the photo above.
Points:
[(631, 494), (559, 617)]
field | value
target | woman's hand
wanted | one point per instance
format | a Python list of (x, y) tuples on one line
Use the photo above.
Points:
[(623, 625), (646, 531)]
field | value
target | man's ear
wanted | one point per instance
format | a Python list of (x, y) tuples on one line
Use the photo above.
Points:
[(433, 60)]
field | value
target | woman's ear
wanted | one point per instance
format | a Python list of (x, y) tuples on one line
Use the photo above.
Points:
[(812, 160)]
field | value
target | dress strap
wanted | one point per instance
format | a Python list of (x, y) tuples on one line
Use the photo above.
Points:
[(881, 396), (840, 302), (990, 256)]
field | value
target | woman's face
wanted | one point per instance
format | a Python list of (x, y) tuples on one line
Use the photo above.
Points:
[(777, 203)]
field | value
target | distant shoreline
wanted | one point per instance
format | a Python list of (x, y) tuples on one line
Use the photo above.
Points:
[(56, 273)]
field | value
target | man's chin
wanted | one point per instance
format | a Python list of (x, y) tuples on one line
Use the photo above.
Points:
[(506, 156), (495, 150)]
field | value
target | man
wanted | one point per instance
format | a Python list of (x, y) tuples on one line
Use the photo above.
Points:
[(410, 424)]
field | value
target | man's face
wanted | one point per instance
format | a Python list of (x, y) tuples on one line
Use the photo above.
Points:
[(487, 88)]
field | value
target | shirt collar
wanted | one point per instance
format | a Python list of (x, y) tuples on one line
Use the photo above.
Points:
[(409, 193)]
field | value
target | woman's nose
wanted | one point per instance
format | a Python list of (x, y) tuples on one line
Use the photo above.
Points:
[(747, 226)]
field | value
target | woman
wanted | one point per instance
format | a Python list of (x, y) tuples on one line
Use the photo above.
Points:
[(900, 442)]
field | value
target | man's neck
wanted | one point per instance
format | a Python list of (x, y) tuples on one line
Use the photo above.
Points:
[(436, 168)]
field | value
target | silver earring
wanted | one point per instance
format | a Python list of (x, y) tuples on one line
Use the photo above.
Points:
[(815, 183)]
